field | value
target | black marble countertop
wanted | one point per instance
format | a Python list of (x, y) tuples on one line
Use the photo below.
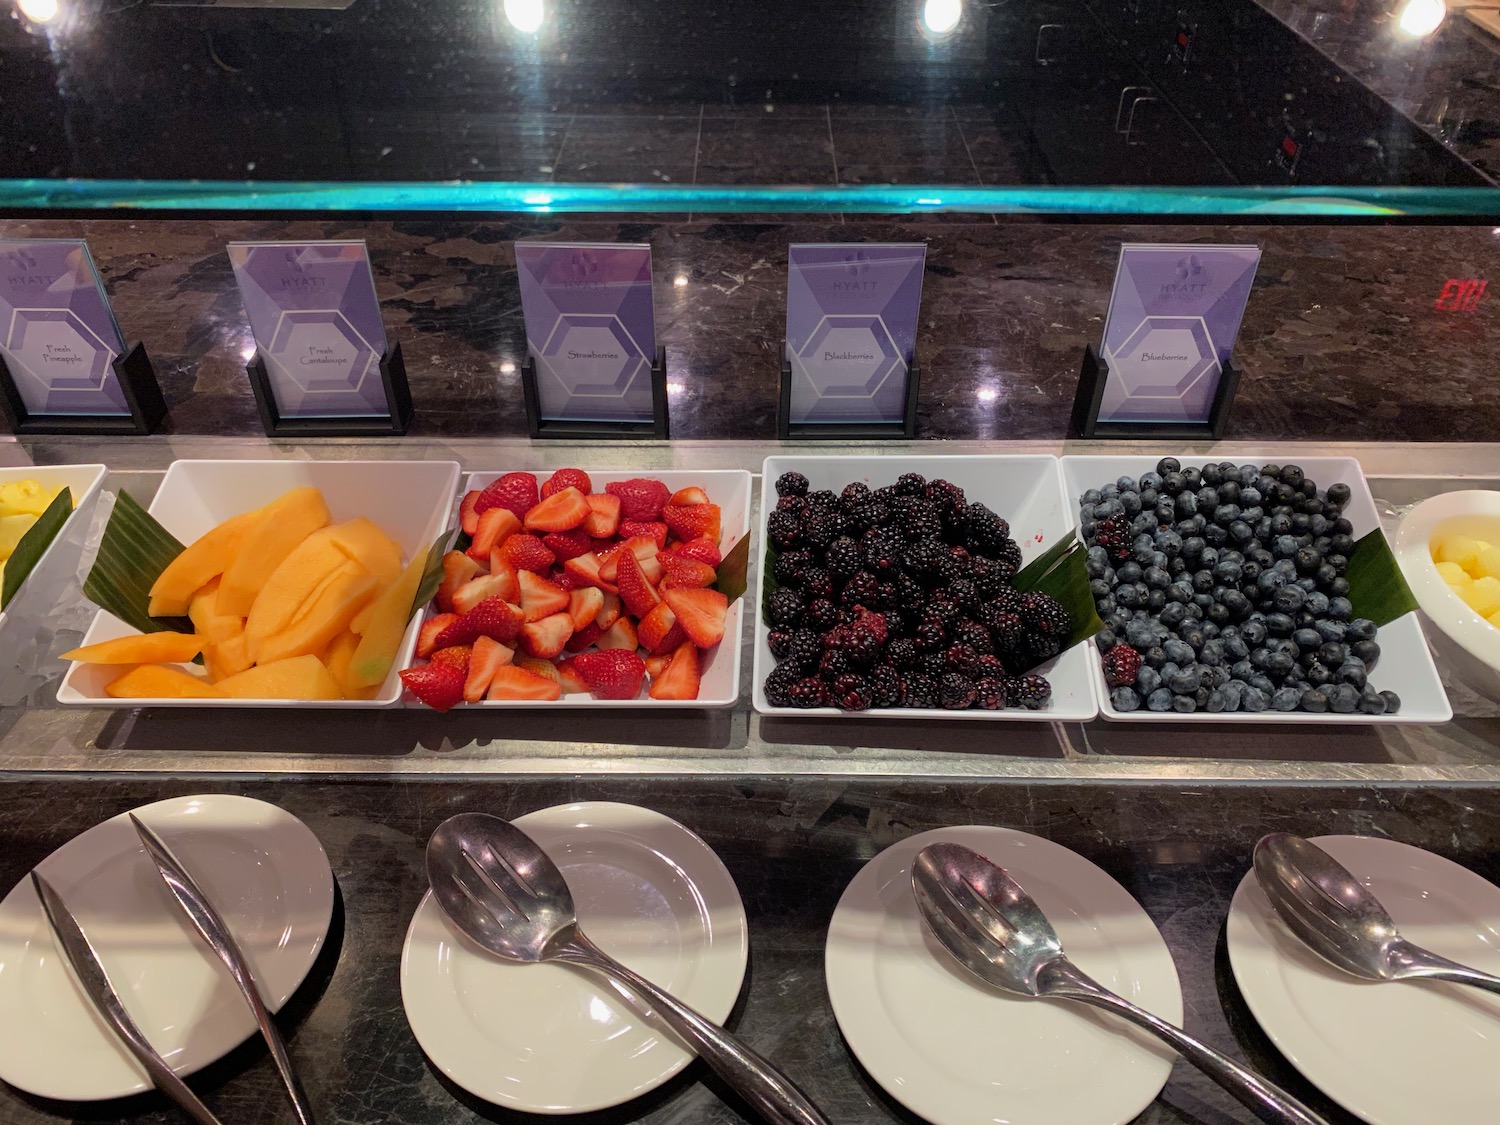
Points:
[(792, 847)]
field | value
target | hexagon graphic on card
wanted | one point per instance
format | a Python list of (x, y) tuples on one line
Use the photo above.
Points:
[(1173, 319), (851, 328), (316, 321), (590, 329), (58, 336)]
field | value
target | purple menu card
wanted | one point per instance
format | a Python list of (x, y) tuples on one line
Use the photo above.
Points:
[(57, 333), (590, 329), (1173, 319), (316, 320), (851, 329)]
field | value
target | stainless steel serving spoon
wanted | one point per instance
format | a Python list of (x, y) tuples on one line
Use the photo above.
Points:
[(993, 928), (1324, 905), (504, 892)]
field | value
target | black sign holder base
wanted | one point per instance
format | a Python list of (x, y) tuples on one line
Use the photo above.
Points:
[(394, 424), (137, 383), (658, 427), (787, 430), (1091, 393)]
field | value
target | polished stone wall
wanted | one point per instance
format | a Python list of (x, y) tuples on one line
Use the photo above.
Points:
[(1341, 340)]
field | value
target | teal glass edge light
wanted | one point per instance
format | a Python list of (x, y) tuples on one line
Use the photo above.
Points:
[(544, 198)]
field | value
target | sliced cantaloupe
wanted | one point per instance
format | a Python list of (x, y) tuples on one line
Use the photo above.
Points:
[(157, 681), (322, 618), (299, 578), (367, 545), (141, 648), (301, 677), (226, 658), (338, 655), (208, 622), (207, 558), (386, 625), (284, 523)]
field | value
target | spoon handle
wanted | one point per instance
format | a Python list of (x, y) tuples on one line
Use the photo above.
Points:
[(1427, 965), (772, 1093), (1064, 980)]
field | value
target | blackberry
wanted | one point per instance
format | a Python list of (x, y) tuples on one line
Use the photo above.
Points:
[(976, 636), (921, 690), (920, 520), (867, 514), (885, 596), (1045, 614), (863, 587), (1121, 665), (1113, 534), (955, 691), (779, 683), (910, 484), (784, 530), (834, 664), (851, 693), (909, 592), (817, 583), (952, 567), (949, 497), (779, 641), (932, 664), (990, 666), (882, 551), (1030, 692), (964, 592), (873, 623), (901, 653), (790, 567), (1010, 559), (1038, 649), (822, 501), (960, 658), (843, 558), (784, 607), (886, 686), (985, 533), (988, 576), (1007, 631), (794, 504), (820, 529), (791, 484), (924, 560), (809, 692), (989, 693), (821, 614), (853, 493), (805, 651), (1008, 599)]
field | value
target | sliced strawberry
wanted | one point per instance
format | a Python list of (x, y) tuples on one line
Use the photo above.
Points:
[(604, 515), (610, 611), (619, 635), (568, 544), (614, 674), (651, 569), (690, 495), (650, 529), (656, 665), (584, 637), (488, 658), (538, 667), (540, 598), (692, 521), (468, 512), (584, 605), (510, 584), (564, 580), (495, 526), (659, 632), (456, 655), (512, 682), (700, 613), (567, 675), (431, 630), (562, 511), (567, 478), (514, 491), (682, 571), (526, 552), (480, 589), (547, 637), (638, 595), (458, 568), (681, 678), (440, 686), (703, 550), (585, 571), (640, 498), (494, 618)]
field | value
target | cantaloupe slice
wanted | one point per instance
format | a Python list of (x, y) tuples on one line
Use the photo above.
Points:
[(324, 616), (226, 658), (367, 545), (208, 622), (386, 625), (207, 558), (301, 575), (141, 648), (301, 677), (157, 681), (284, 524), (338, 655)]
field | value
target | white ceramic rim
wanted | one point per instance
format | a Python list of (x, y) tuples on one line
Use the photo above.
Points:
[(1445, 609)]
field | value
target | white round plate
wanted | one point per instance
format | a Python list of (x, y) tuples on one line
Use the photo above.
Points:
[(955, 1051), (261, 866), (1395, 1054), (556, 1038)]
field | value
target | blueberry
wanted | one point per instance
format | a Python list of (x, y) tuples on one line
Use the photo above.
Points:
[(1160, 700), (1215, 536), (1255, 699), (1192, 546), (1091, 496), (1131, 502), (1254, 632), (1216, 701), (1352, 674), (1371, 702), (1339, 609), (1318, 674), (1184, 704), (1105, 639), (1229, 492), (1155, 656), (1125, 699), (1203, 581), (1172, 482), (1314, 700), (1392, 702), (1242, 669), (1168, 465), (1129, 572), (1339, 494), (1338, 588), (1139, 634), (1330, 630), (1180, 591), (1234, 695), (1187, 504), (1236, 603), (1279, 664), (1360, 629), (1168, 542), (1157, 578), (1307, 639), (1341, 544), (1262, 684), (1150, 480), (1288, 599), (1186, 681), (1366, 651), (1178, 651), (1173, 613), (1279, 624), (1147, 680), (1343, 698), (1308, 559), (1192, 634), (1235, 647), (1332, 653), (1270, 581), (1286, 699), (1316, 603)]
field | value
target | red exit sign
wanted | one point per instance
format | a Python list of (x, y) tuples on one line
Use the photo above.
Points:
[(1461, 294)]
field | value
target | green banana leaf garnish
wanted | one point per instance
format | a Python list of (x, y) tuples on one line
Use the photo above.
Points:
[(432, 574), (34, 544), (733, 570), (1061, 572), (134, 551), (1377, 589)]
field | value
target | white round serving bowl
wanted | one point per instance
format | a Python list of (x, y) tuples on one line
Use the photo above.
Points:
[(1467, 641)]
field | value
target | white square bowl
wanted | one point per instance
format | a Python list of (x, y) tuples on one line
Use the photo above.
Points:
[(411, 501), (59, 562), (1025, 490), (720, 669), (1405, 665)]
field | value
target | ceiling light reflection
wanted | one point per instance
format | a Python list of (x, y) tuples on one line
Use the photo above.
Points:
[(942, 16), (986, 394), (1421, 17), (507, 368), (38, 11), (525, 15), (680, 281)]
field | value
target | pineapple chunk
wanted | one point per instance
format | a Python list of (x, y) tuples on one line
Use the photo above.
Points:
[(1494, 619), (12, 528), (1458, 549), (25, 497), (1482, 596), (1453, 574), (1488, 563)]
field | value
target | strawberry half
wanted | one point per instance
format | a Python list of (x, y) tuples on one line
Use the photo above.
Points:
[(480, 589), (604, 515), (509, 586), (431, 630), (585, 572), (468, 512), (649, 529), (621, 634), (703, 550), (638, 595), (690, 495), (659, 632), (681, 679), (567, 478), (568, 544), (656, 665), (567, 675), (562, 511), (547, 637), (610, 611), (700, 613), (584, 606), (584, 637), (537, 667), (640, 498), (526, 552), (514, 491), (692, 521), (511, 682), (615, 674), (494, 618), (458, 569), (496, 525), (440, 686), (540, 598), (488, 657), (456, 655), (682, 571)]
